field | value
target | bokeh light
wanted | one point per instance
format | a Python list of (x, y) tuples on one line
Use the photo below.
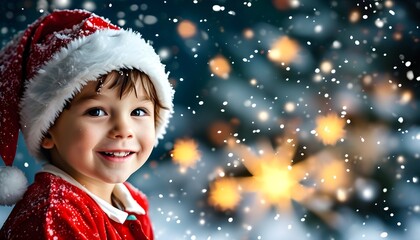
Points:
[(187, 29)]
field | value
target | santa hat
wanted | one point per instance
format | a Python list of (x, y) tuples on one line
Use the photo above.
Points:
[(49, 63)]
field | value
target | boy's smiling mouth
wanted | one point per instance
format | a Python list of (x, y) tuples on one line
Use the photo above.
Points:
[(117, 153)]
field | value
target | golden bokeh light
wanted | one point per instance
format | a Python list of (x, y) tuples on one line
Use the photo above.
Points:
[(248, 33), (224, 194), (186, 29), (220, 66), (397, 36), (354, 16), (389, 3), (276, 183), (263, 116), (406, 97), (185, 152), (330, 128), (284, 50), (290, 107), (326, 66)]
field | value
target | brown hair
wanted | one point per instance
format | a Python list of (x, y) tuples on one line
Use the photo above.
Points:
[(125, 80)]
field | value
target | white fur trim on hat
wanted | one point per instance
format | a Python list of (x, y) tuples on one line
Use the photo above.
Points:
[(83, 60)]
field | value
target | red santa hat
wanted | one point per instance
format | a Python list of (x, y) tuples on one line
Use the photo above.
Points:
[(49, 63)]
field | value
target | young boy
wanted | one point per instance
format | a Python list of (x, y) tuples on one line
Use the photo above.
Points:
[(93, 99)]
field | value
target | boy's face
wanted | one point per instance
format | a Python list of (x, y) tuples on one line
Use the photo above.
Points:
[(102, 138)]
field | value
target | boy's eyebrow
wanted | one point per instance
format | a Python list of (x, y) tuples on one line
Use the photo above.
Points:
[(85, 97)]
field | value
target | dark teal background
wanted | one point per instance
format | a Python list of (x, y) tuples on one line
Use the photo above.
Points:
[(178, 200)]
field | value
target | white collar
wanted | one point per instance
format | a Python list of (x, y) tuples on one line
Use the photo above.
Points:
[(120, 192)]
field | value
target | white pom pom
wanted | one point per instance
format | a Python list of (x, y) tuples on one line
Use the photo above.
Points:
[(13, 184)]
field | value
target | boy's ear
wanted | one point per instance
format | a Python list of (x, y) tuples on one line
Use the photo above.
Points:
[(47, 141)]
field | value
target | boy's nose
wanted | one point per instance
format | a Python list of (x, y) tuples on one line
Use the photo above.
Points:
[(121, 128)]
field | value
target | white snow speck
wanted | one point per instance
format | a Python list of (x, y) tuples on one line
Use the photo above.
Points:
[(218, 8), (379, 23)]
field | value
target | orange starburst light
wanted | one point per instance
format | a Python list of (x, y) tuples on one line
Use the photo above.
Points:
[(224, 194), (275, 180), (330, 128), (185, 152)]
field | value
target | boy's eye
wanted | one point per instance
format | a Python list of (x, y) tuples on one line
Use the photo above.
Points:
[(138, 112), (96, 112)]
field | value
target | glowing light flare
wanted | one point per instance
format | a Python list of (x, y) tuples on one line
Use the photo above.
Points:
[(275, 184), (354, 16), (278, 181), (248, 33), (224, 194), (342, 195), (284, 50), (389, 3), (253, 82), (186, 29), (185, 152), (220, 66), (326, 66), (263, 116), (290, 107), (367, 80), (406, 97), (397, 36), (330, 128), (272, 177)]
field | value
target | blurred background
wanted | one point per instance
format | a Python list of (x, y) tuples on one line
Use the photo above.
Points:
[(294, 119)]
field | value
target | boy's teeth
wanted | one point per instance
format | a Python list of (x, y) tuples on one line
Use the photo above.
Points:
[(117, 154)]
